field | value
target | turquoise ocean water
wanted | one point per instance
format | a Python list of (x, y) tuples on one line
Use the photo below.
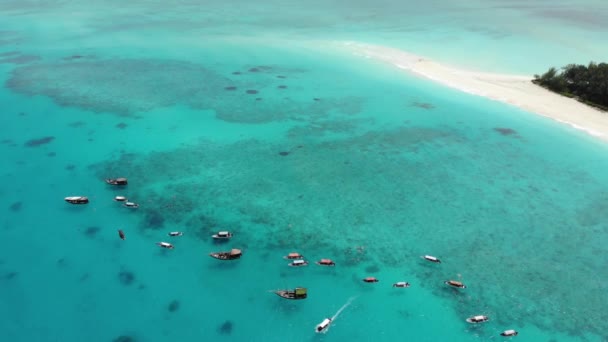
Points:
[(236, 116)]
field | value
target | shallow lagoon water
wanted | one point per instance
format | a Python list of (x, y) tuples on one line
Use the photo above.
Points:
[(333, 156)]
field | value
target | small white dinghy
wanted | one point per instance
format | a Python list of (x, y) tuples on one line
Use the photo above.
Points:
[(509, 333), (298, 263), (120, 198), (322, 327), (431, 258), (176, 234), (478, 319)]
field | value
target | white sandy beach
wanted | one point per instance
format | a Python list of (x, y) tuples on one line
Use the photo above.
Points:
[(511, 89)]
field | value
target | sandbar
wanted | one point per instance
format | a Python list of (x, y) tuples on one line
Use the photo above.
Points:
[(515, 90)]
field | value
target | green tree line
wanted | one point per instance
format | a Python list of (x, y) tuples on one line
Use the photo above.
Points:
[(588, 84)]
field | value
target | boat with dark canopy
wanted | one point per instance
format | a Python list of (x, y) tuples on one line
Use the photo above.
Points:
[(231, 255), (297, 293), (117, 181)]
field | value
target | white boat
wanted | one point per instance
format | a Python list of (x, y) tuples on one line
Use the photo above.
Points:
[(117, 181), (131, 205), (401, 284), (298, 263), (77, 199), (322, 327), (176, 234), (164, 245), (478, 319), (431, 258), (509, 332), (120, 198), (222, 235)]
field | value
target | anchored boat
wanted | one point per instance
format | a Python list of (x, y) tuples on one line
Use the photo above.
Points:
[(401, 284), (293, 256), (431, 258), (222, 235), (164, 245), (117, 181), (131, 205), (478, 319), (232, 255), (77, 200), (370, 280), (326, 262), (298, 263), (176, 234), (455, 283), (509, 332), (297, 293), (120, 198)]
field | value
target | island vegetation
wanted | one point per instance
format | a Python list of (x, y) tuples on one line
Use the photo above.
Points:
[(588, 84)]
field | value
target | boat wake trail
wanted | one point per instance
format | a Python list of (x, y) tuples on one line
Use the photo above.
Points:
[(324, 326), (350, 300)]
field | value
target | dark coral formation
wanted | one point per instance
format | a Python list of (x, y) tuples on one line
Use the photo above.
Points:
[(230, 88), (38, 142), (173, 306), (16, 206), (92, 231), (283, 153), (505, 131), (251, 91), (423, 105), (121, 125), (226, 328), (126, 278), (125, 338)]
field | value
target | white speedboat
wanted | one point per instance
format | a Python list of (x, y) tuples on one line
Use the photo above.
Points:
[(77, 199), (322, 327), (176, 234), (120, 198)]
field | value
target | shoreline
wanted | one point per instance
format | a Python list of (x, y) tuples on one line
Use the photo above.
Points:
[(518, 91)]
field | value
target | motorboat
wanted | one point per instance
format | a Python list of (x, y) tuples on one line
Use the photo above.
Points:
[(231, 255), (132, 205), (401, 284), (164, 245), (77, 200), (298, 263), (326, 262), (117, 181), (222, 235), (294, 256), (509, 332), (478, 319), (297, 293), (121, 234), (322, 327), (431, 258), (455, 283), (370, 280), (176, 234), (120, 198)]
